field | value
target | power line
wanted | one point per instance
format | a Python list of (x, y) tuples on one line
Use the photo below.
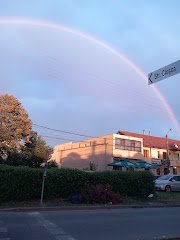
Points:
[(54, 137), (57, 130), (97, 144), (72, 133)]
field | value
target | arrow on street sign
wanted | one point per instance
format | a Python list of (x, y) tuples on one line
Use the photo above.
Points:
[(165, 72)]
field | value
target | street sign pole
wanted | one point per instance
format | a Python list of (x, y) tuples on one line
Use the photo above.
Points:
[(164, 72), (44, 176)]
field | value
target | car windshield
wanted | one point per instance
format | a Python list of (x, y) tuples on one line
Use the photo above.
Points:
[(165, 177)]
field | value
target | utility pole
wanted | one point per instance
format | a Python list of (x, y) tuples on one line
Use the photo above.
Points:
[(167, 150), (105, 151), (44, 176)]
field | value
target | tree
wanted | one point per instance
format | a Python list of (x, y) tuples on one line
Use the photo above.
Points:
[(15, 125), (37, 146), (52, 164), (19, 145), (37, 149)]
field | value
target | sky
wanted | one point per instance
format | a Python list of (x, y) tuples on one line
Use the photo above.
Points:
[(81, 66)]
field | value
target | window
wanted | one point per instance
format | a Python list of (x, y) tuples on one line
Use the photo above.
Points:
[(132, 144), (174, 170), (176, 178), (126, 144), (122, 142), (138, 146), (146, 153), (164, 155), (159, 154), (119, 143), (176, 156)]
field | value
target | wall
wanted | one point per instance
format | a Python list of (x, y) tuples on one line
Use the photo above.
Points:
[(81, 155)]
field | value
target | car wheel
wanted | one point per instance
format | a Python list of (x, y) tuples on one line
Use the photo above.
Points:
[(168, 188)]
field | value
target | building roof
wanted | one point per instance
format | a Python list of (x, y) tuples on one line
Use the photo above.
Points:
[(153, 141)]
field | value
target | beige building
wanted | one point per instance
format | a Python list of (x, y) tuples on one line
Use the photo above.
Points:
[(97, 153)]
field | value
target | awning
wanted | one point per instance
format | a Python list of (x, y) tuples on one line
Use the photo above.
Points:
[(146, 165), (126, 163), (123, 163)]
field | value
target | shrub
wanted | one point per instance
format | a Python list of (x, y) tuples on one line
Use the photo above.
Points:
[(101, 193), (24, 183), (19, 183), (134, 184), (64, 182)]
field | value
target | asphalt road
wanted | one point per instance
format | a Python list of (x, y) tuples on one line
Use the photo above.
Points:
[(107, 224)]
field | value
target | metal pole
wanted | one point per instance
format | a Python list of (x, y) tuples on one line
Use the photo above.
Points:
[(167, 154), (105, 151), (44, 177), (167, 149)]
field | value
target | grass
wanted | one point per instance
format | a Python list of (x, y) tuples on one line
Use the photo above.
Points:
[(159, 199), (168, 197)]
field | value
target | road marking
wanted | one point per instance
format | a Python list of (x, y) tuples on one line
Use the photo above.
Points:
[(34, 213), (56, 231)]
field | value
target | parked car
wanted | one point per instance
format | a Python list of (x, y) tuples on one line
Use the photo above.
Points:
[(168, 183), (156, 176)]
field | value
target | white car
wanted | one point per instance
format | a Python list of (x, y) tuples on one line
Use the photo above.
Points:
[(168, 183)]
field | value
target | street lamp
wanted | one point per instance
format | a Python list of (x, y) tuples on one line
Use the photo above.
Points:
[(167, 149)]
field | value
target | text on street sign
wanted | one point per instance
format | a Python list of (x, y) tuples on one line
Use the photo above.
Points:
[(165, 72)]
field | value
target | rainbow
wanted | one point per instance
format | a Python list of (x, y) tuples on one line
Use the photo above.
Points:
[(137, 69)]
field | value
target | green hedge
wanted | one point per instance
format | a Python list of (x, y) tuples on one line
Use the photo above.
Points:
[(134, 184), (63, 182), (23, 183), (19, 183)]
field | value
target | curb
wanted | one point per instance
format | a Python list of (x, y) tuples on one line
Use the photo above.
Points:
[(77, 207)]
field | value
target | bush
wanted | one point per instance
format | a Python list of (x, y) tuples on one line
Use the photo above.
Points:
[(19, 183), (133, 184), (101, 193), (24, 183), (63, 182)]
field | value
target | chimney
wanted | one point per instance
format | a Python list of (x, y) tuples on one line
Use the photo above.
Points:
[(149, 133), (143, 131)]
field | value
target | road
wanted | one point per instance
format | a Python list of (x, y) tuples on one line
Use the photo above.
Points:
[(106, 224)]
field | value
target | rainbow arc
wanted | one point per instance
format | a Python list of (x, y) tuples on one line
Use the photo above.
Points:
[(124, 58)]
